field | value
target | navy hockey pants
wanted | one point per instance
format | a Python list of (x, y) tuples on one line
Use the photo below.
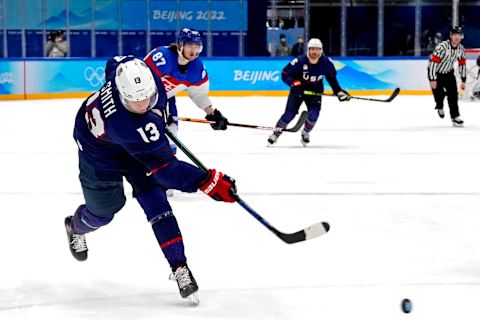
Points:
[(104, 196), (294, 102)]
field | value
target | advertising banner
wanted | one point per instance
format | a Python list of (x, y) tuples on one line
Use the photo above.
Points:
[(223, 15), (50, 76), (372, 74), (241, 76), (163, 15), (12, 78)]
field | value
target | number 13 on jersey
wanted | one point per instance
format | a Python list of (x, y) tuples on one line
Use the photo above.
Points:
[(149, 133)]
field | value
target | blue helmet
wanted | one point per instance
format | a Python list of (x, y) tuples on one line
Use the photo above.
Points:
[(187, 35)]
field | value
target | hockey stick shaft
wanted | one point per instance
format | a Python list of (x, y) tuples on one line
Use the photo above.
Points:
[(313, 231), (230, 124), (295, 128), (389, 99)]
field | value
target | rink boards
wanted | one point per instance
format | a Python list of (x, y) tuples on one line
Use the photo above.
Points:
[(69, 78)]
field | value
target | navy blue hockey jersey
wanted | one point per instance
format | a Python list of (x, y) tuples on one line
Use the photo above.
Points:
[(311, 75), (110, 137)]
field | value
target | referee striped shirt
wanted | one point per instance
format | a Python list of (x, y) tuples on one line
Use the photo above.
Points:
[(443, 58)]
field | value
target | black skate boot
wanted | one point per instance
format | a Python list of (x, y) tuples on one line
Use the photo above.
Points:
[(76, 242), (305, 138), (441, 112), (186, 283), (457, 122), (272, 139)]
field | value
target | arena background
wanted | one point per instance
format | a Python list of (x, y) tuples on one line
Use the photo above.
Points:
[(388, 50)]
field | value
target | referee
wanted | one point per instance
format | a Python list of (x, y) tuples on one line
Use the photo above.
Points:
[(442, 77)]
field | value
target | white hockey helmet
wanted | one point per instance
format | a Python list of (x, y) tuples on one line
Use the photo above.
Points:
[(135, 81), (314, 43)]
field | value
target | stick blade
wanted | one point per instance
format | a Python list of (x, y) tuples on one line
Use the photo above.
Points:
[(394, 94), (314, 231), (301, 121)]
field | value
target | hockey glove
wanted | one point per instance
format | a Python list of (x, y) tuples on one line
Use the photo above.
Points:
[(220, 121), (296, 87), (169, 120), (343, 95), (296, 83), (219, 186)]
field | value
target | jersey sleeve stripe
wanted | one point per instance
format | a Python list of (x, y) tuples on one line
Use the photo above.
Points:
[(155, 170)]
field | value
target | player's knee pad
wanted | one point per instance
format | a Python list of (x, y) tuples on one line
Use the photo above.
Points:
[(85, 220), (160, 217), (155, 204), (313, 115), (288, 116)]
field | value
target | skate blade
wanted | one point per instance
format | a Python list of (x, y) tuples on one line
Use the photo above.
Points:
[(193, 299)]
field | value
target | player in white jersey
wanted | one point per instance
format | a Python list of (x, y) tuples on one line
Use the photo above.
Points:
[(180, 69)]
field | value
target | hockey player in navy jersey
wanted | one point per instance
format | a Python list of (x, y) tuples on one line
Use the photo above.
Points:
[(120, 132), (305, 73)]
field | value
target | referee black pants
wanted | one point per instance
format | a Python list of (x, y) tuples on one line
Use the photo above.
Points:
[(447, 86)]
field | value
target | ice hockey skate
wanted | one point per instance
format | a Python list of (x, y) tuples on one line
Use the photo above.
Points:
[(441, 112), (186, 284), (76, 242), (272, 139), (305, 138), (457, 122)]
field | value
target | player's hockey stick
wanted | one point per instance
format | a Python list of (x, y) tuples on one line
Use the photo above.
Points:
[(295, 128), (311, 232), (389, 99)]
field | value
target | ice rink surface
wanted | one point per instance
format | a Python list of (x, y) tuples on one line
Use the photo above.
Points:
[(399, 186)]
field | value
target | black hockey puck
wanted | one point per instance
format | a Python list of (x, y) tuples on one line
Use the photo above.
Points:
[(406, 306)]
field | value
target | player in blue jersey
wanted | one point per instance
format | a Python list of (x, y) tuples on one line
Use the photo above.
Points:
[(120, 132), (180, 69), (305, 73)]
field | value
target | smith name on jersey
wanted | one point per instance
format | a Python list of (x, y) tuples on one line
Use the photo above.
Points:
[(113, 138)]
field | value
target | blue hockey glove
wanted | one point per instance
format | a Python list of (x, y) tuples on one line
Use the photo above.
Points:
[(220, 121)]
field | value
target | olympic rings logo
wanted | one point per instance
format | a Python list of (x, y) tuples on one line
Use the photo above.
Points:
[(94, 76)]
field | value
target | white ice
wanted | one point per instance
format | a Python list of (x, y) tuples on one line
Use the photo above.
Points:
[(399, 186)]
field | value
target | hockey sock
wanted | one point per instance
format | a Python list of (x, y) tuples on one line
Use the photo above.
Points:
[(170, 239), (311, 120), (164, 224), (285, 119)]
